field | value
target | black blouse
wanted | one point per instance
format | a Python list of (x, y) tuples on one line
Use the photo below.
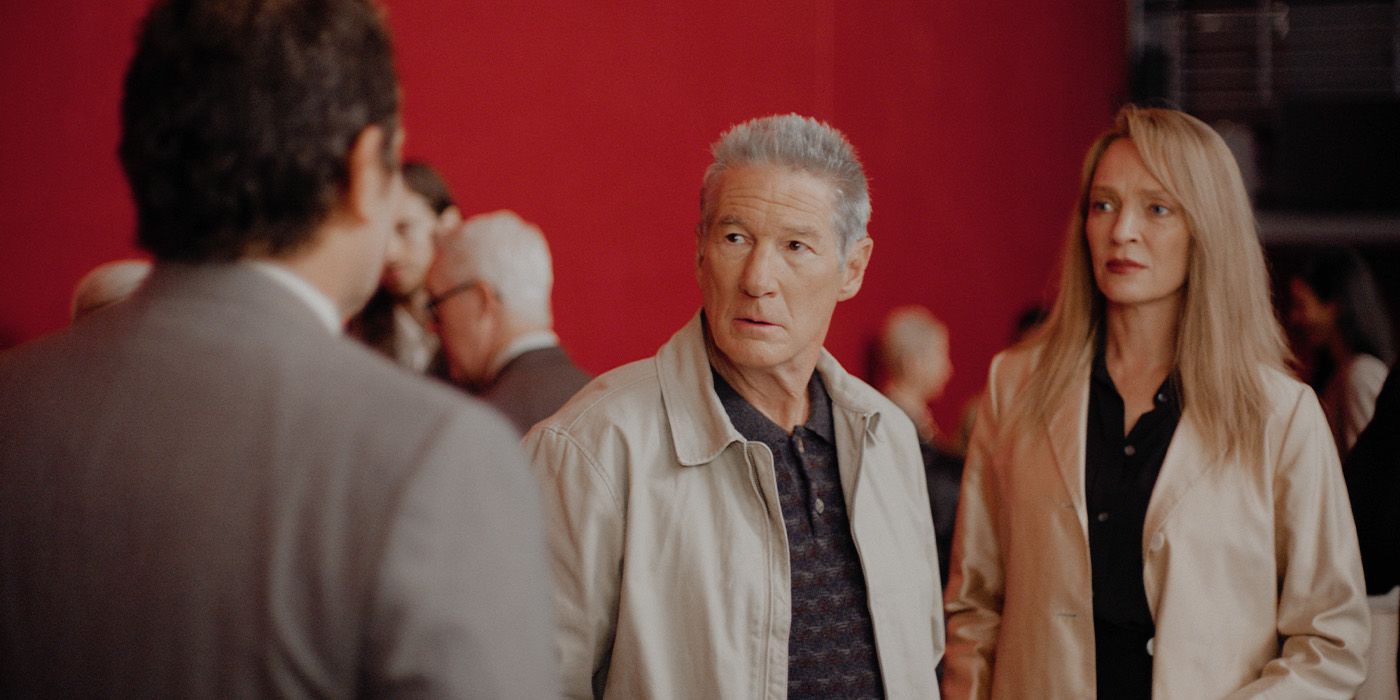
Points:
[(1119, 473)]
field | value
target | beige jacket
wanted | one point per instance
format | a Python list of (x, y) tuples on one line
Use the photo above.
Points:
[(668, 543), (1252, 570)]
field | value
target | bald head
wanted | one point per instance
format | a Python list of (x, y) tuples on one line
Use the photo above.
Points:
[(914, 350), (505, 252), (107, 284)]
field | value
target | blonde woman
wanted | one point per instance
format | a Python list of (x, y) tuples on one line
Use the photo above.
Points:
[(1152, 506)]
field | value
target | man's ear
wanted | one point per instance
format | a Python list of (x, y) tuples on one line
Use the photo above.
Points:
[(853, 272), (368, 177), (699, 247)]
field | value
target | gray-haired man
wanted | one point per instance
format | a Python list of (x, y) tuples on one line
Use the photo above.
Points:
[(489, 292), (737, 516)]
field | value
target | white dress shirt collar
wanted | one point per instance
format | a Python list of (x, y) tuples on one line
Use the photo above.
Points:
[(534, 340), (319, 303)]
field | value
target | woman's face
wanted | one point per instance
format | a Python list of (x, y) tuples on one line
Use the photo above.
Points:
[(1137, 235), (1313, 318), (416, 222)]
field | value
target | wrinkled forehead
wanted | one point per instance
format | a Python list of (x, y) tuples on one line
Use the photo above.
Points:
[(775, 191)]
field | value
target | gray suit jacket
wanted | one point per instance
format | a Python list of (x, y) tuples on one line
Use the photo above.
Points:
[(204, 493), (531, 387)]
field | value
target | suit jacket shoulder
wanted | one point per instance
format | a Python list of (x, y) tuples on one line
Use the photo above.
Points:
[(208, 445), (534, 385)]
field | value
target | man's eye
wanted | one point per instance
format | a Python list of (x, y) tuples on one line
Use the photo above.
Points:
[(796, 245), (733, 237)]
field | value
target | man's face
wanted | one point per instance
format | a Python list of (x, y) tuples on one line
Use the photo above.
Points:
[(382, 192), (770, 268), (413, 233), (468, 322)]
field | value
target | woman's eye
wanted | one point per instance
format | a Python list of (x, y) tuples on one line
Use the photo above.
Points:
[(1159, 209), (1100, 205)]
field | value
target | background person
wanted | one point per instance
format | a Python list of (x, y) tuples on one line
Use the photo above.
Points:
[(916, 367), (738, 516), (395, 320), (1152, 506), (490, 286), (1373, 482), (208, 491), (1342, 321)]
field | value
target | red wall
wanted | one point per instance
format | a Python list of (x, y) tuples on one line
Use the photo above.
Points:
[(593, 120)]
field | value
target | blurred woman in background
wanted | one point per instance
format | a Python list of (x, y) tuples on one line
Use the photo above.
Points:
[(1339, 316), (395, 321)]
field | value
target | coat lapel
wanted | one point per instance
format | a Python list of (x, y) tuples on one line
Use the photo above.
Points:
[(1183, 465), (1065, 435)]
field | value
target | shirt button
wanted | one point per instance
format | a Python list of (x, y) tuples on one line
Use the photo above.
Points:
[(820, 506), (1161, 398), (801, 446), (1151, 647), (1130, 450), (1102, 517)]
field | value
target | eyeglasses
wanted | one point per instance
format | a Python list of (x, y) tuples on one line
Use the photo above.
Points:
[(434, 301)]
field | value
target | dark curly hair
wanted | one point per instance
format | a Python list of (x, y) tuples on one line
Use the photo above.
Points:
[(238, 117), (422, 179)]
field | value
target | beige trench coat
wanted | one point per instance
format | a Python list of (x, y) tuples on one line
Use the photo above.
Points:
[(1252, 570), (668, 542)]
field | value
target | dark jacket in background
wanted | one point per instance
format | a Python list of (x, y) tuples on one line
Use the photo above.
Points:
[(1373, 481), (531, 387), (943, 472)]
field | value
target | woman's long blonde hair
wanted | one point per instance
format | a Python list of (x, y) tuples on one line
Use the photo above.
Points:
[(1227, 332)]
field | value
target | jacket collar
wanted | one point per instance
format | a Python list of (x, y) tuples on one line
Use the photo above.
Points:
[(700, 428), (1182, 466), (1065, 432), (234, 286)]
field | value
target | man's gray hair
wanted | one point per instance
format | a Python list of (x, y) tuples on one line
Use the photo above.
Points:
[(508, 253), (802, 143)]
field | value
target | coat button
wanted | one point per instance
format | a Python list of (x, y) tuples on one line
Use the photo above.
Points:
[(820, 506), (1157, 541), (1150, 646), (1130, 450)]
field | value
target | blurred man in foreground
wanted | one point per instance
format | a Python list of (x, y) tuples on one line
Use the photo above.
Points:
[(207, 490)]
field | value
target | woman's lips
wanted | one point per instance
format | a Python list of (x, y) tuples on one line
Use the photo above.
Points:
[(1120, 266)]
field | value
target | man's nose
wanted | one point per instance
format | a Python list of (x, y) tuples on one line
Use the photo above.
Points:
[(758, 278)]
